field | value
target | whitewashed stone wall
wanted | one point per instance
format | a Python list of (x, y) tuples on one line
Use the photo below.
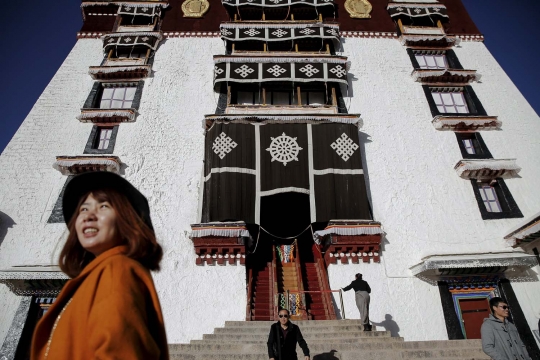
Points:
[(424, 206), (163, 152)]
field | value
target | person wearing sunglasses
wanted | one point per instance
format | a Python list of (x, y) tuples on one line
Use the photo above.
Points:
[(500, 338), (283, 337)]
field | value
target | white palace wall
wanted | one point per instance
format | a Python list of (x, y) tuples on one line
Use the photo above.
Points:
[(162, 152), (425, 208)]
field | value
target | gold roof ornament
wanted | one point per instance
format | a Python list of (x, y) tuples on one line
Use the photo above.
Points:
[(359, 9), (195, 8)]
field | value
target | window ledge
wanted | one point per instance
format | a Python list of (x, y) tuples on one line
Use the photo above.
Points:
[(119, 72), (466, 122), (525, 233), (73, 165), (434, 40), (271, 109), (445, 76), (487, 169), (109, 116)]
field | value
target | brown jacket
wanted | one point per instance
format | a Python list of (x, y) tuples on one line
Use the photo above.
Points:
[(114, 314)]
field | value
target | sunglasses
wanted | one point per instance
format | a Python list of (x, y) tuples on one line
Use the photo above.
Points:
[(504, 307), (283, 316)]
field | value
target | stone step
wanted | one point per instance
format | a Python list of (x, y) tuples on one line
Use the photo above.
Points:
[(331, 354), (302, 323), (305, 330), (333, 341), (308, 336)]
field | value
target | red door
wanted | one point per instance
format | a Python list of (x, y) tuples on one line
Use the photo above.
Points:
[(473, 313)]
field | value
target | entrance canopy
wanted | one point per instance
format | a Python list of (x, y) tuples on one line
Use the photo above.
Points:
[(507, 262), (247, 161)]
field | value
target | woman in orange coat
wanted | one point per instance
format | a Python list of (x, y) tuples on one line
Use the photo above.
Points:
[(110, 308)]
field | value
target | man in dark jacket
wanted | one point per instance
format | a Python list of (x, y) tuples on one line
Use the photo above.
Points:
[(283, 338), (500, 338), (362, 291)]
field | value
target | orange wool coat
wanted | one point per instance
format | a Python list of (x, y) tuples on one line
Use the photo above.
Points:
[(114, 314)]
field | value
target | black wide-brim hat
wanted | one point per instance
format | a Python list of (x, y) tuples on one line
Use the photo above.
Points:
[(82, 184)]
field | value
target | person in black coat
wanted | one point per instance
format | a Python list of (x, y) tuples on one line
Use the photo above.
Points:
[(283, 337)]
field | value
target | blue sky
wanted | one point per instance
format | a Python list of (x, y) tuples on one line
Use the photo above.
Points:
[(35, 45)]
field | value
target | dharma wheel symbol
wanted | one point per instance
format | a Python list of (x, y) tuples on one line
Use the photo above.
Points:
[(284, 149)]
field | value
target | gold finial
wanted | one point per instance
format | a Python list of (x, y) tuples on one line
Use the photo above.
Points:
[(359, 9), (195, 8)]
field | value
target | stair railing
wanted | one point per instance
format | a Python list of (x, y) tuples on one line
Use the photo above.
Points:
[(249, 295), (274, 283)]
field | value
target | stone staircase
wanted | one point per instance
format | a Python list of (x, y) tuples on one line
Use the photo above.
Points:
[(327, 340)]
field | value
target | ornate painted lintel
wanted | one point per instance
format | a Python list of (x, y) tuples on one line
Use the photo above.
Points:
[(359, 9), (195, 8)]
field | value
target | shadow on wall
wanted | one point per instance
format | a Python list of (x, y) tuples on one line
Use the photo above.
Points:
[(389, 325), (5, 223), (364, 139), (326, 356)]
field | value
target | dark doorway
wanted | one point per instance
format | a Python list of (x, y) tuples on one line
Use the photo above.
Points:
[(300, 276), (285, 214), (473, 313)]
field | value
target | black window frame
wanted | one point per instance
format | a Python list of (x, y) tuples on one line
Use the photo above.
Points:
[(451, 58), (93, 140), (508, 205), (482, 152), (473, 103), (57, 215), (94, 98)]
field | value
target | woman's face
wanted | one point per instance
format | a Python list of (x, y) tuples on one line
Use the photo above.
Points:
[(96, 226)]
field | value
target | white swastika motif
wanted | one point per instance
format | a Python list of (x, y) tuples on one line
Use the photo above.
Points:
[(276, 70), (223, 145), (284, 149), (309, 70), (339, 71), (244, 71), (344, 146)]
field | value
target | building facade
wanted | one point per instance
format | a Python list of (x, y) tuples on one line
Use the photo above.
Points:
[(284, 146)]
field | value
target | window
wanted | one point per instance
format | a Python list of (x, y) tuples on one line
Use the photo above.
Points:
[(129, 53), (472, 146), (247, 98), (313, 98), (495, 200), (460, 101), (450, 102), (469, 146), (489, 196), (280, 95), (431, 61), (278, 98), (117, 97), (104, 138), (101, 140)]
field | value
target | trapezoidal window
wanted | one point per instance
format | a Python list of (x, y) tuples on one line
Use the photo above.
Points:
[(450, 102), (431, 60), (117, 97), (495, 200)]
